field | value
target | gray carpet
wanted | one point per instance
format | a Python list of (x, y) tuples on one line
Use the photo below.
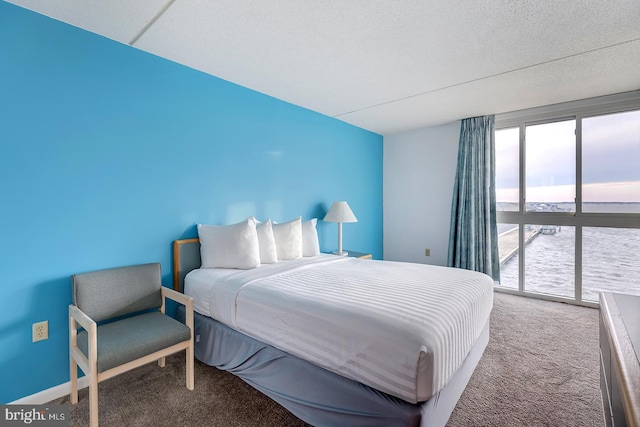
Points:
[(540, 369)]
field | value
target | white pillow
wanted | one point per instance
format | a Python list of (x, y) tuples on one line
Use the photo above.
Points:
[(229, 246), (267, 243), (310, 242), (288, 237)]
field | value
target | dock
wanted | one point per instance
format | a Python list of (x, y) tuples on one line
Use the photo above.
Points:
[(508, 243)]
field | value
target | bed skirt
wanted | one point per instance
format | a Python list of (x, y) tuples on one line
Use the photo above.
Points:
[(315, 395)]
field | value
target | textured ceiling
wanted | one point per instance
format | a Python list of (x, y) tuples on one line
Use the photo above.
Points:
[(386, 66)]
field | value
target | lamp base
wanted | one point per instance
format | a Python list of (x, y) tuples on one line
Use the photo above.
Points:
[(343, 253)]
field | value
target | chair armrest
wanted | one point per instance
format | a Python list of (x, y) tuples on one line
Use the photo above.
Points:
[(177, 297), (183, 299), (79, 316), (88, 362)]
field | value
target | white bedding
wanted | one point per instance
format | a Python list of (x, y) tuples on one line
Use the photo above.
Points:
[(401, 328)]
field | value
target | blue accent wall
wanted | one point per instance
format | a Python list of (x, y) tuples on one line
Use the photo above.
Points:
[(108, 154)]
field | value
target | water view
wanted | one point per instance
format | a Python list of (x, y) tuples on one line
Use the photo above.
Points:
[(549, 162), (610, 257)]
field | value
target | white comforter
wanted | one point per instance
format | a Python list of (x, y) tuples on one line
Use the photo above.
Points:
[(401, 328)]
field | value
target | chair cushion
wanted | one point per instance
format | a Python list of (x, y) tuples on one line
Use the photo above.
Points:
[(129, 339), (119, 291)]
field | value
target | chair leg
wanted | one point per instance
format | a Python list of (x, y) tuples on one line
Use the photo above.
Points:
[(189, 368), (161, 362), (73, 374), (93, 401)]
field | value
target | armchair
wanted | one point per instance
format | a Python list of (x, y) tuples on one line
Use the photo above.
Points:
[(121, 312)]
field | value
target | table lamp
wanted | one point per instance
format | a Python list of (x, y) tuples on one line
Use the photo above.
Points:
[(340, 212)]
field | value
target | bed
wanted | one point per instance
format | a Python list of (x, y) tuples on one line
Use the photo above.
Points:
[(342, 341)]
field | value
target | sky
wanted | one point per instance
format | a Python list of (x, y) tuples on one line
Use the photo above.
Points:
[(610, 160)]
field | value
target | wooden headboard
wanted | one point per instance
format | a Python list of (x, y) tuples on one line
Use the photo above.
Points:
[(186, 257)]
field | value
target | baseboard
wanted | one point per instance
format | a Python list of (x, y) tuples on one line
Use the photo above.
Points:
[(53, 393)]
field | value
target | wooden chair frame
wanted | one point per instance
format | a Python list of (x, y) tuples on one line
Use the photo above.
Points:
[(89, 363)]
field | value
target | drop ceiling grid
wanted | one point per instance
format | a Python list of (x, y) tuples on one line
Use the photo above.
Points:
[(118, 20), (597, 73), (354, 59), (362, 56)]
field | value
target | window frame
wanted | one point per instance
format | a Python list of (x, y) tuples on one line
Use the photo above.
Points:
[(576, 110)]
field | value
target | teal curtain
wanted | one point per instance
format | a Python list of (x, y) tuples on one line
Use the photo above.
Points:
[(473, 237)]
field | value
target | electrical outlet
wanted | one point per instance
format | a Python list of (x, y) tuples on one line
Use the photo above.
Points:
[(41, 331), (427, 252)]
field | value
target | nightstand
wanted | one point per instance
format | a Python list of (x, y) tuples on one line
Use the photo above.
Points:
[(361, 255)]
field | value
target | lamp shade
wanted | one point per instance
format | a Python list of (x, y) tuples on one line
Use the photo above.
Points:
[(340, 212)]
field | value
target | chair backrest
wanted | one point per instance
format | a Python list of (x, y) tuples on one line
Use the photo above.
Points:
[(113, 292)]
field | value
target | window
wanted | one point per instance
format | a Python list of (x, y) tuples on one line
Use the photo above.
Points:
[(610, 261), (508, 250), (507, 169), (611, 163), (550, 260), (550, 161), (568, 201)]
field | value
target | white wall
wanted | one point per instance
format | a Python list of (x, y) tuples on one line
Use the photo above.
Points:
[(418, 176)]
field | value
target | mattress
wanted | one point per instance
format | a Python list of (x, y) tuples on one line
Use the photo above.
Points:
[(401, 328)]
